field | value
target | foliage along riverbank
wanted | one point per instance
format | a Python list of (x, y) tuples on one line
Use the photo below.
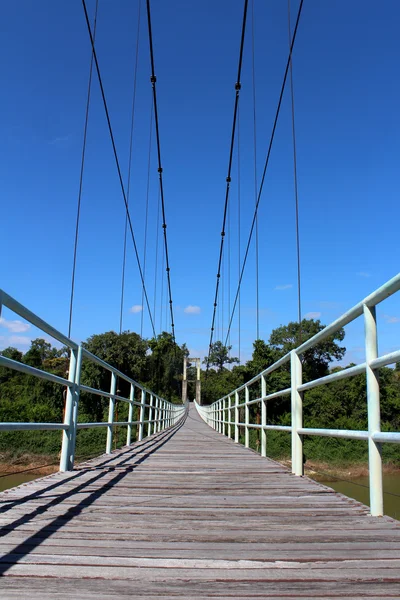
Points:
[(157, 364)]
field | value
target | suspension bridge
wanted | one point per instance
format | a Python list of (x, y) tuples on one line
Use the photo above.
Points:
[(186, 508)]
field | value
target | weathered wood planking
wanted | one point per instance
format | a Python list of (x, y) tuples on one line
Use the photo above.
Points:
[(190, 514)]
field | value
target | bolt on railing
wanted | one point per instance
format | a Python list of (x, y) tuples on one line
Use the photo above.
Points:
[(165, 414), (214, 415)]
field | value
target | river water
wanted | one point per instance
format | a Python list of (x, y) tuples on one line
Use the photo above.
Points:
[(357, 489)]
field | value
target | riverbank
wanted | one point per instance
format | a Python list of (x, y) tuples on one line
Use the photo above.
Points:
[(324, 471), (41, 464)]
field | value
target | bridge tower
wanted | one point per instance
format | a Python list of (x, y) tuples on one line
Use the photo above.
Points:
[(187, 363)]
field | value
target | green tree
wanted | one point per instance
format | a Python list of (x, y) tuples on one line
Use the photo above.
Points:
[(5, 373), (316, 360), (165, 366), (126, 352), (39, 351), (219, 356)]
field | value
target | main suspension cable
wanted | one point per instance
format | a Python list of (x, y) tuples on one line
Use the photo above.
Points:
[(296, 195), (255, 164), (153, 80), (117, 161), (146, 218), (228, 178), (78, 212), (129, 168), (266, 164), (239, 238)]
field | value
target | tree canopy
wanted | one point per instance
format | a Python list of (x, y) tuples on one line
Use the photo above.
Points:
[(219, 356)]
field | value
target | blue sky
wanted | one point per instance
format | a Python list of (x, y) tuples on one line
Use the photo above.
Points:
[(347, 95)]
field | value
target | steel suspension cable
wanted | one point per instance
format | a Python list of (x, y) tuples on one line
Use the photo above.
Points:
[(266, 162), (147, 210), (255, 165), (239, 238), (117, 161), (156, 260), (78, 212), (162, 291), (129, 168), (228, 178), (153, 80), (296, 194)]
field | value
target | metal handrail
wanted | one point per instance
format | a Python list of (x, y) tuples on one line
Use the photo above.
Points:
[(161, 414), (223, 415)]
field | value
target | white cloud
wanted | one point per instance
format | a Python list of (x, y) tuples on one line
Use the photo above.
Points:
[(364, 274), (16, 341), (286, 286), (192, 310), (390, 319), (14, 326), (136, 308), (312, 315)]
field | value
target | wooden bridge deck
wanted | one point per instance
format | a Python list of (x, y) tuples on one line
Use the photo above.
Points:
[(190, 514)]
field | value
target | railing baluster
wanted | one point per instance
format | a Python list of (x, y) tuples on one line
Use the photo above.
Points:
[(247, 417), (374, 420), (297, 414), (111, 408), (76, 396), (150, 424), (70, 418), (236, 417), (130, 415), (160, 415), (155, 414), (263, 416), (229, 416), (141, 416)]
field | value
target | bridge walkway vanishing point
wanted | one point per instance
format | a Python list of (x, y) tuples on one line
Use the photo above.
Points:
[(188, 513)]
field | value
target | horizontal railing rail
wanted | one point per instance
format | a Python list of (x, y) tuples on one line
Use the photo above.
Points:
[(223, 415), (155, 413)]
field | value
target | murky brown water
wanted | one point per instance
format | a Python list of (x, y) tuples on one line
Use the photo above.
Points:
[(9, 481), (358, 488)]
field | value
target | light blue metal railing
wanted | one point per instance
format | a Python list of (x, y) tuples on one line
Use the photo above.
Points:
[(154, 412), (219, 414)]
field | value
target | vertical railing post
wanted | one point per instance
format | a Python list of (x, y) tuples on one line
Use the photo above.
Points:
[(76, 393), (374, 416), (247, 417), (155, 414), (297, 413), (111, 407), (130, 415), (220, 416), (71, 411), (229, 417), (141, 416), (150, 424), (236, 417), (263, 416), (160, 414), (223, 416)]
